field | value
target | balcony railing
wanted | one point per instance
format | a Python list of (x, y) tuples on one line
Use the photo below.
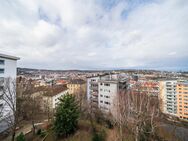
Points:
[(93, 82), (93, 88), (95, 94)]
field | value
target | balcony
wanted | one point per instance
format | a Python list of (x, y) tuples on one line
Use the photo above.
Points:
[(95, 100), (93, 88), (94, 94), (1, 101), (93, 82)]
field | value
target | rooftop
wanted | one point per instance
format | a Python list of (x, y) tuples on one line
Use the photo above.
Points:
[(9, 57), (55, 90), (77, 81)]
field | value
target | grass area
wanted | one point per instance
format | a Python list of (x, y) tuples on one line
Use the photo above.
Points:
[(84, 132), (167, 135), (78, 136)]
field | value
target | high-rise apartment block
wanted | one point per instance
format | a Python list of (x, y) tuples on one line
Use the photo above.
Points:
[(174, 98), (102, 91), (168, 96), (8, 69), (182, 100)]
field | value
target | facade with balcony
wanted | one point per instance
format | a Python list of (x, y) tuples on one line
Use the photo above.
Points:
[(102, 92), (182, 100), (168, 96)]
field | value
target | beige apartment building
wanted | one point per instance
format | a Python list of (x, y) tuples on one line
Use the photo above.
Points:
[(76, 86), (182, 100)]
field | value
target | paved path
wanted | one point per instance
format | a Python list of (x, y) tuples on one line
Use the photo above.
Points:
[(26, 129)]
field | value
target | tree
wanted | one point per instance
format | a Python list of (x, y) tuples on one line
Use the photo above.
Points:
[(122, 111), (9, 110), (138, 112), (29, 105), (33, 110), (66, 117), (145, 114)]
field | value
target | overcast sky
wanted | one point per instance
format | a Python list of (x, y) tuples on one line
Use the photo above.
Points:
[(96, 34)]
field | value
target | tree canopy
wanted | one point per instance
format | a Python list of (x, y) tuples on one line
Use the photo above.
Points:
[(66, 117)]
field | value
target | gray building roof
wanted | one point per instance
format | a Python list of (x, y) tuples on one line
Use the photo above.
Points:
[(77, 81), (9, 57)]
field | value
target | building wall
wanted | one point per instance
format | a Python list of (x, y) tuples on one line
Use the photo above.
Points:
[(92, 91), (107, 94), (168, 97), (9, 68), (52, 101), (182, 100), (55, 99), (102, 92), (76, 88), (162, 97)]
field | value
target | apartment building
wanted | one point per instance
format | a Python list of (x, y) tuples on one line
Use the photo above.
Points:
[(103, 90), (8, 69), (76, 86), (168, 96), (147, 87), (92, 91), (182, 100), (52, 95)]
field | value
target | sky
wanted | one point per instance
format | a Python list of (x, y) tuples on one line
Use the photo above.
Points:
[(96, 34)]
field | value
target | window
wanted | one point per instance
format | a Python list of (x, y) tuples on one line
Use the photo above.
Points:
[(107, 96), (1, 71), (106, 84), (108, 103), (2, 62), (101, 101), (1, 88), (1, 105)]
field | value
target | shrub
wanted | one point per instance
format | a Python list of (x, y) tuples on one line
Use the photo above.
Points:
[(99, 136), (43, 134), (39, 131), (109, 124), (20, 137)]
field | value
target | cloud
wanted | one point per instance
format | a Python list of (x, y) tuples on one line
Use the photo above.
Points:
[(172, 53), (82, 34)]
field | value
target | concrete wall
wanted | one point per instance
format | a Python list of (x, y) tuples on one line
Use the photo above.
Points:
[(107, 94), (10, 70)]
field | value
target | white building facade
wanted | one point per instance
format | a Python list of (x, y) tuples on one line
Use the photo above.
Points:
[(102, 92), (168, 96), (52, 100), (8, 69), (108, 91)]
